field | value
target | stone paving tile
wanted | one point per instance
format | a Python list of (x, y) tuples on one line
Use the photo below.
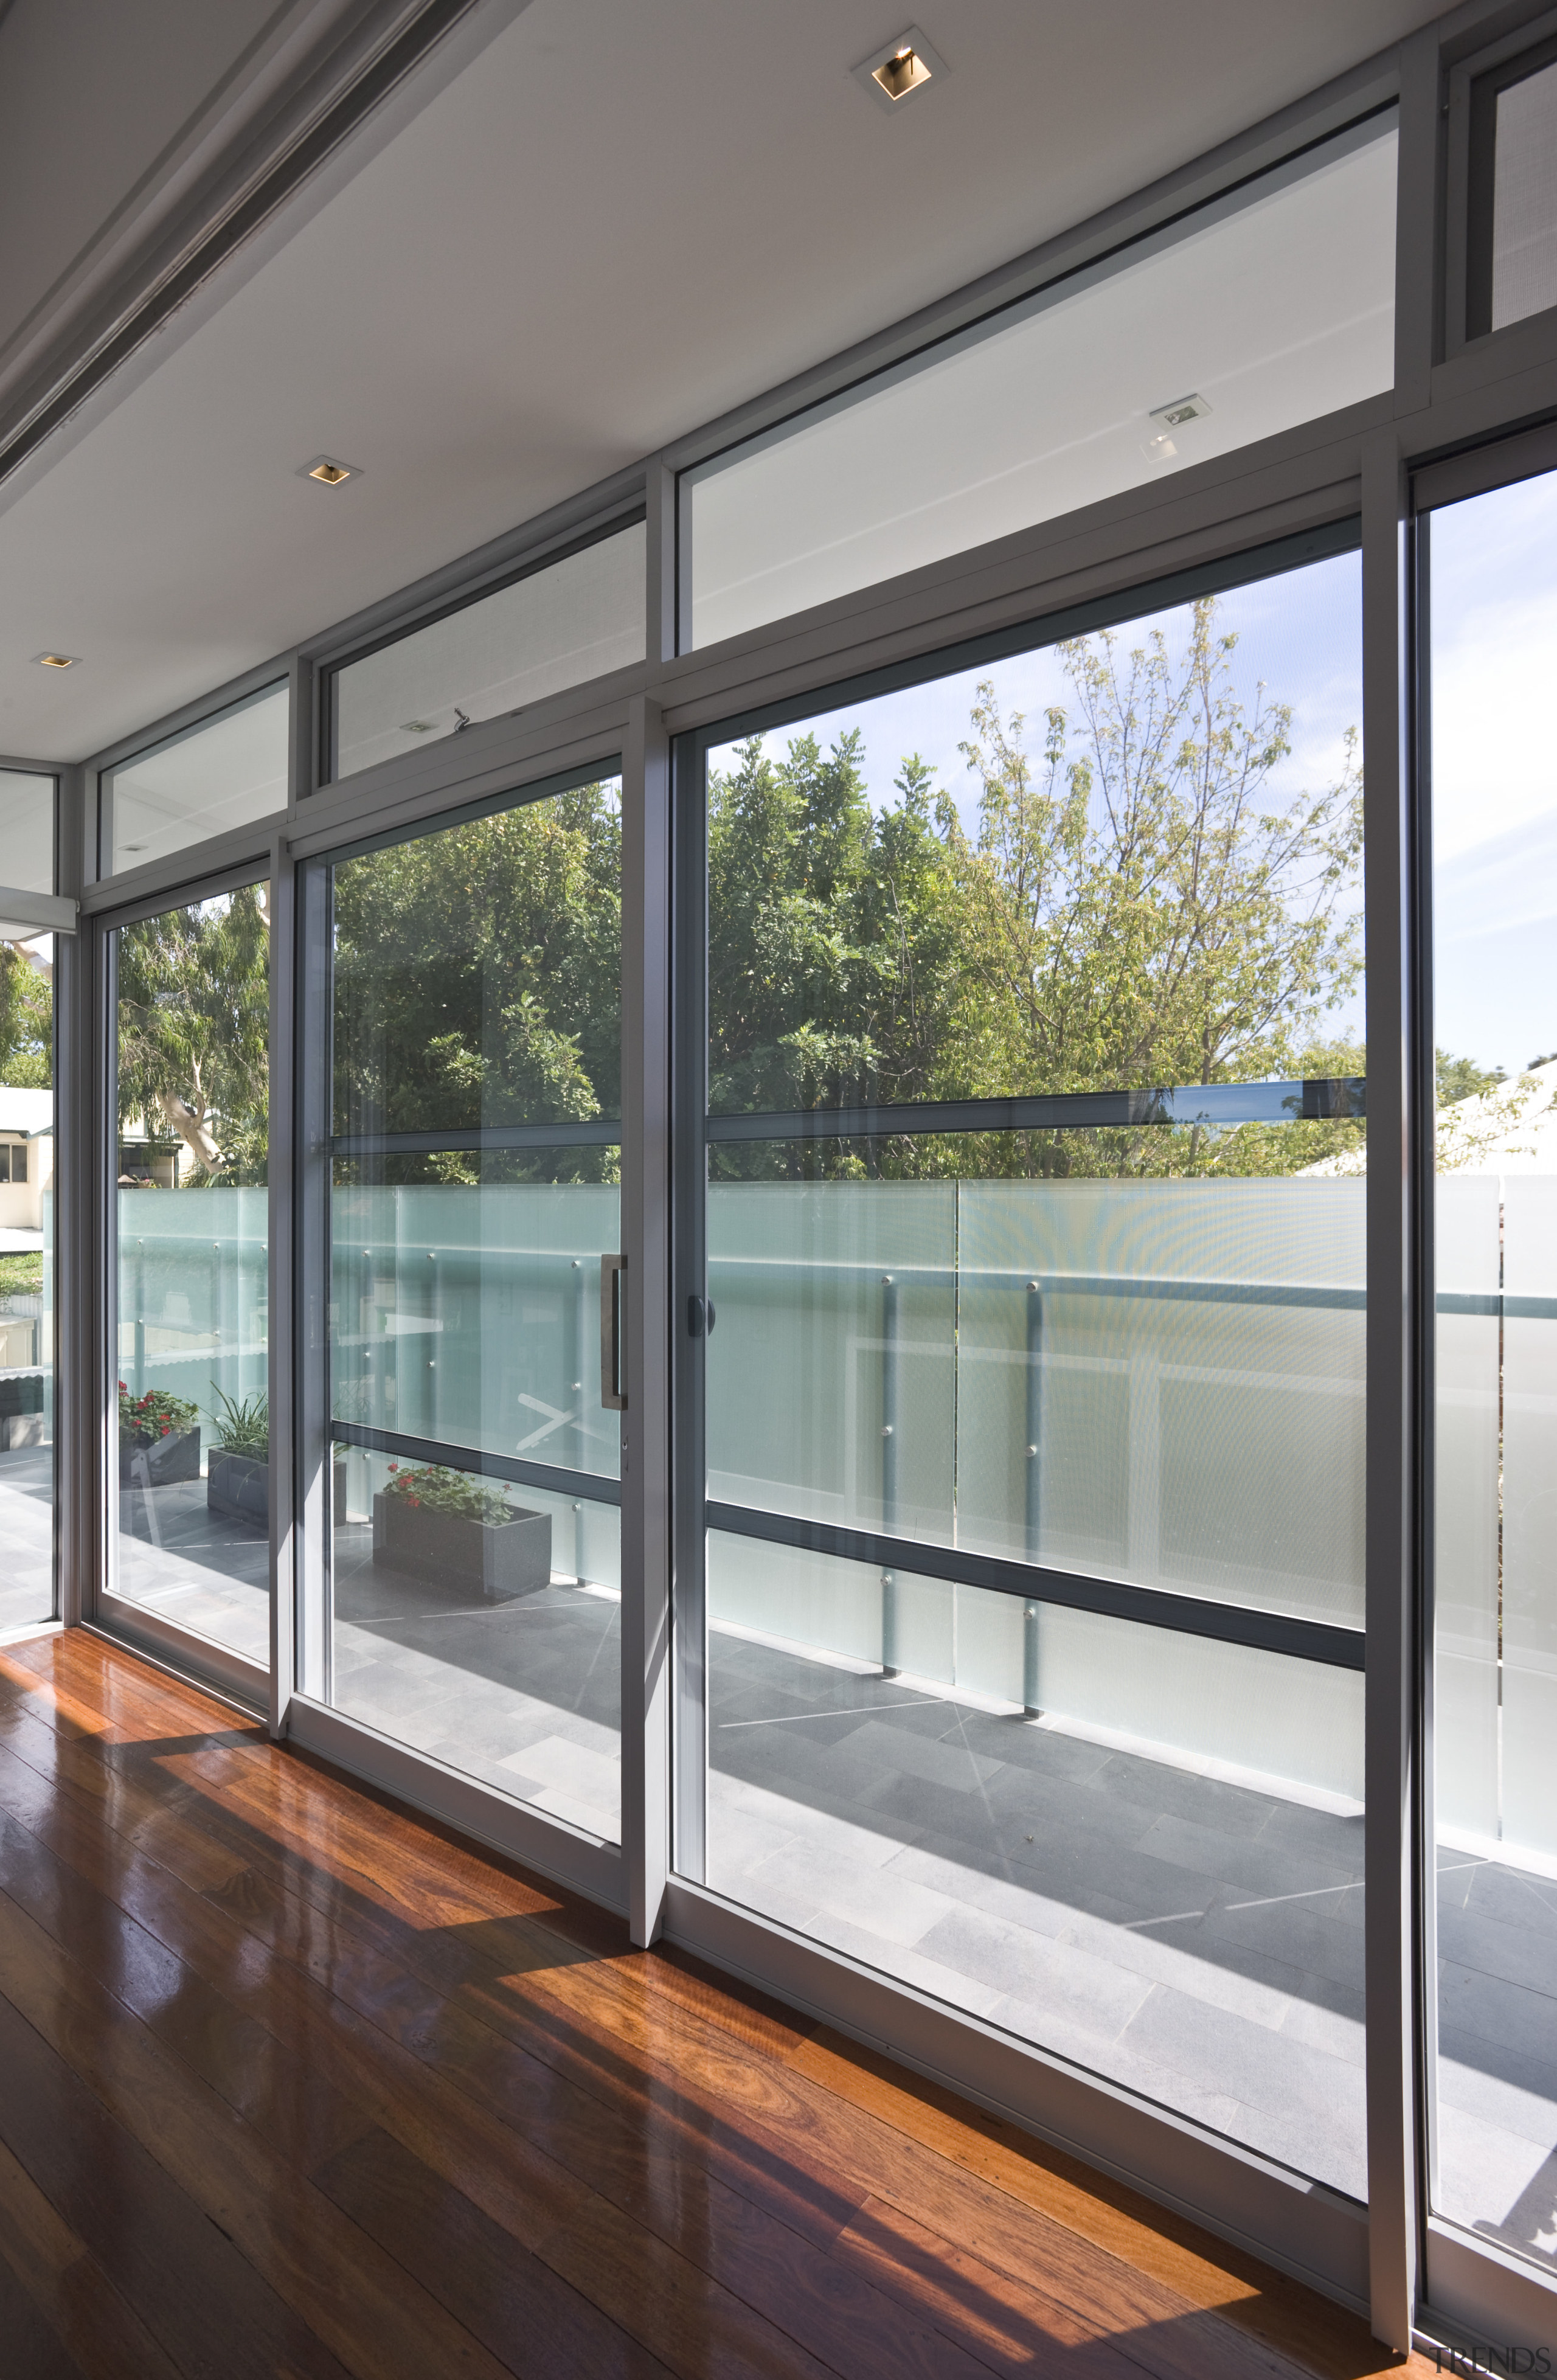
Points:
[(1258, 1868), (1516, 1898), (1527, 2109), (934, 1757), (1491, 1946), (1261, 2069), (1322, 1834), (1087, 1991), (880, 1900), (1295, 1931), (954, 1984), (1520, 2024), (1166, 2086), (1153, 1787)]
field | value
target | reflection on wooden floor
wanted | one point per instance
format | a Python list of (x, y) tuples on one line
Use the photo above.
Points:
[(295, 2084)]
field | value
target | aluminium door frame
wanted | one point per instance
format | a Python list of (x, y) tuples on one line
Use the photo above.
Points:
[(102, 1607), (456, 784)]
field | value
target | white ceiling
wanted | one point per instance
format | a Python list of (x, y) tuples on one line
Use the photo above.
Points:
[(619, 221)]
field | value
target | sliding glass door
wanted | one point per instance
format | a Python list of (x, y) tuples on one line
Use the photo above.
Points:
[(189, 1494), (1020, 1583), (469, 1607), (1493, 1798)]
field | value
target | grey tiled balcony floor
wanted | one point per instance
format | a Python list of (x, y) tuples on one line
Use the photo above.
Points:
[(26, 1536), (1193, 1939), (209, 1574), (1197, 1941)]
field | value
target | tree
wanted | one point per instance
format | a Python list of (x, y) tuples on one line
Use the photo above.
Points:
[(1135, 910), (476, 981), (833, 933), (1140, 912), (26, 1017), (194, 1029)]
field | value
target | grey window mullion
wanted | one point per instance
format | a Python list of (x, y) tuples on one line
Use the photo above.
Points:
[(281, 1285), (1389, 1693), (645, 1139)]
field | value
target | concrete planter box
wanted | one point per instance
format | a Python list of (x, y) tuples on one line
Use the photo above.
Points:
[(239, 1487), (513, 1559), (166, 1458)]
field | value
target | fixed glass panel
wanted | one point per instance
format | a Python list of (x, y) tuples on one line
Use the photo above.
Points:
[(1513, 231), (558, 627), (190, 1529), (26, 1147), (475, 1171), (1027, 1332), (1494, 924), (1265, 310), (225, 772), (27, 831)]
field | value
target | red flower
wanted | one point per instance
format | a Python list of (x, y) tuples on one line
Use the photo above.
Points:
[(415, 1503), (167, 1427)]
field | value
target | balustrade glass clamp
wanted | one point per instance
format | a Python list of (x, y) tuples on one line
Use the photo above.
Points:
[(700, 1318)]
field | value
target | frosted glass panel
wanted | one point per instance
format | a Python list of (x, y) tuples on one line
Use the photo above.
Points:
[(579, 619), (1265, 309), (227, 772), (1156, 1382), (1494, 1703)]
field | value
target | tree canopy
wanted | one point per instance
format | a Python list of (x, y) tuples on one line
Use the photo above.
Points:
[(194, 1030), (1131, 899), (26, 1017)]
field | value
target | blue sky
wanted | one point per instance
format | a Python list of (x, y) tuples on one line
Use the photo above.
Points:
[(1494, 774)]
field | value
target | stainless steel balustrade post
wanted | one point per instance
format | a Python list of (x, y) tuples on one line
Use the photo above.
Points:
[(1032, 1460), (890, 1663)]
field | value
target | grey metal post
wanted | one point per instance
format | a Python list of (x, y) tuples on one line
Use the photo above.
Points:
[(890, 1663), (646, 1443), (1391, 1550), (280, 1277), (1032, 1460)]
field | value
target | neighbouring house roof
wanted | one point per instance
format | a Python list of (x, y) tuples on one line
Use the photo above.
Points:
[(25, 1111), (1512, 1129)]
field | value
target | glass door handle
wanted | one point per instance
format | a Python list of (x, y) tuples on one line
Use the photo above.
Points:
[(613, 1389), (700, 1318)]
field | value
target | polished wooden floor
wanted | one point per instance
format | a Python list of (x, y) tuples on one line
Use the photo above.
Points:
[(293, 2084)]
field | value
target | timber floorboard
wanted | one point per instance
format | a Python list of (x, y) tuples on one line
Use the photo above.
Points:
[(294, 2083)]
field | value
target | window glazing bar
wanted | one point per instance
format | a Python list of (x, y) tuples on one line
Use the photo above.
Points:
[(1327, 1100), (1187, 1615), (597, 1131), (591, 1485)]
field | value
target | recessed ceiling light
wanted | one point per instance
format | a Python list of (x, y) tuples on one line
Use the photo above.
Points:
[(57, 660), (1182, 409), (896, 71), (329, 471)]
